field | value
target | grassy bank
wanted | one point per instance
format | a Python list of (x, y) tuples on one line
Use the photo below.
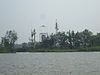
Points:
[(88, 49)]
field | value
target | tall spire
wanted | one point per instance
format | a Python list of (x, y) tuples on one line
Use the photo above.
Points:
[(56, 27), (31, 36), (33, 33)]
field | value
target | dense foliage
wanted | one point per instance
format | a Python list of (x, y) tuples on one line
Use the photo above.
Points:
[(60, 42), (72, 40), (8, 41)]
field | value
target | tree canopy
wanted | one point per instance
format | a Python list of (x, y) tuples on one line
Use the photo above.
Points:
[(9, 39)]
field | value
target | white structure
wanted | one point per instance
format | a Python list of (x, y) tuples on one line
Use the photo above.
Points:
[(43, 34)]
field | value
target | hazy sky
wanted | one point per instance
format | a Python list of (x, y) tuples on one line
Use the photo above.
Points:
[(24, 15)]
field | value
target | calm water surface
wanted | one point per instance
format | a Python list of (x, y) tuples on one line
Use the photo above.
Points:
[(76, 63)]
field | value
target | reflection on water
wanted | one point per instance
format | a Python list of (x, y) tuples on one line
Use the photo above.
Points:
[(77, 63)]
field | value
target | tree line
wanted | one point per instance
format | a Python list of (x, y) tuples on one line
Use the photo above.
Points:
[(66, 40), (71, 40)]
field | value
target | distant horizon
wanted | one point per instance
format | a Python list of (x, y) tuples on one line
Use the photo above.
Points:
[(43, 32)]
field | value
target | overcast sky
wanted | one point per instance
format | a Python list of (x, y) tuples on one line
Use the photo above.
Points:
[(24, 15)]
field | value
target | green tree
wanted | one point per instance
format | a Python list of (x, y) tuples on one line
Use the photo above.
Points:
[(9, 39), (96, 39), (77, 40), (86, 37), (70, 39)]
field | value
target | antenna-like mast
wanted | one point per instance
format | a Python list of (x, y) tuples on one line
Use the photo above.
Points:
[(56, 27)]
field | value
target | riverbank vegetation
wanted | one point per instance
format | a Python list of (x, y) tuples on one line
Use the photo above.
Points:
[(69, 41)]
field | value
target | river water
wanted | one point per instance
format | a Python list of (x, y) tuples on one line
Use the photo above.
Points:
[(67, 63)]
